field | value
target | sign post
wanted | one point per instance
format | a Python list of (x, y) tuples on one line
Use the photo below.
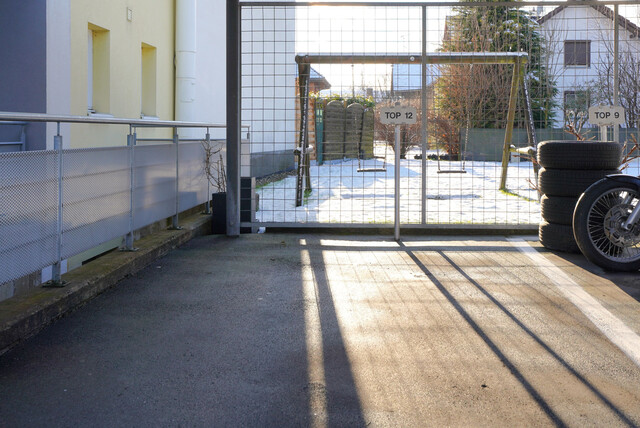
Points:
[(604, 116), (397, 116)]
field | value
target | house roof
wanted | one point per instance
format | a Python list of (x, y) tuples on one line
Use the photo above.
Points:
[(604, 10), (320, 81)]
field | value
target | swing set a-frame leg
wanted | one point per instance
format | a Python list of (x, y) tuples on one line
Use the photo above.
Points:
[(518, 76)]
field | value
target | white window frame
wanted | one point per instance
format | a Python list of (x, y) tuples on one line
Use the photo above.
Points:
[(90, 108)]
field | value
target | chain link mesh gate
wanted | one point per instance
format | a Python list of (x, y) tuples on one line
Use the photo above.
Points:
[(451, 169)]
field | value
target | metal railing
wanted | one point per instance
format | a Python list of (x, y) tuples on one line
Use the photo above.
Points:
[(58, 203), (18, 143)]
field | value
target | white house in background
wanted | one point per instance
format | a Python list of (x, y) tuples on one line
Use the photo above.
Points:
[(268, 79), (269, 74), (580, 48), (204, 51), (406, 81)]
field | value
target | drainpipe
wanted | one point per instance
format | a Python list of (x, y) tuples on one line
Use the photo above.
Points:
[(185, 60)]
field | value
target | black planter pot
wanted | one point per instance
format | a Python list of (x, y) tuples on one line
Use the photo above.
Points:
[(248, 207), (219, 213)]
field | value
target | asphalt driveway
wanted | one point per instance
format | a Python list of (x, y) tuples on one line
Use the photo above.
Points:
[(320, 330)]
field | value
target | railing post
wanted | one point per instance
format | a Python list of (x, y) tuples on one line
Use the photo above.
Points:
[(174, 220), (56, 271), (131, 143)]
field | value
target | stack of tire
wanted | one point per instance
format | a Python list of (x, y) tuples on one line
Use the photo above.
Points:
[(567, 169)]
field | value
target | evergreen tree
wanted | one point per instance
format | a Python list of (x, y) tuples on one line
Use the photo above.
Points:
[(479, 95)]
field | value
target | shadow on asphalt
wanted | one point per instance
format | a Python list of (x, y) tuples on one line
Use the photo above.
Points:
[(343, 407), (546, 407), (629, 282), (168, 344)]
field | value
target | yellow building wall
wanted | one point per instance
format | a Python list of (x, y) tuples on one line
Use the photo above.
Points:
[(149, 24)]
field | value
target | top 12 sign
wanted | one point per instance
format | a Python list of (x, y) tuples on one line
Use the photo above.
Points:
[(606, 115), (398, 115)]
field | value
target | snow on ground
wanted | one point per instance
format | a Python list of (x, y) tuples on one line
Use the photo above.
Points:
[(341, 194)]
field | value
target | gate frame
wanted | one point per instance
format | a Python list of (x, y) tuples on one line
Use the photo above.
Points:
[(233, 105)]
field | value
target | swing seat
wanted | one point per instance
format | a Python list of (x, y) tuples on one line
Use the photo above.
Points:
[(461, 166), (452, 171), (372, 169)]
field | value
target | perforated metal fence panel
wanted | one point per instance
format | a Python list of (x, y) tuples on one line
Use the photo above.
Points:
[(38, 229), (193, 180), (96, 197), (28, 212), (154, 183)]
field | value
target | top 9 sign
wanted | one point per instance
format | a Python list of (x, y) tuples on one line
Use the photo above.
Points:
[(606, 115)]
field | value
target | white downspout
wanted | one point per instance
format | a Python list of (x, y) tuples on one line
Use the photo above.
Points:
[(58, 68), (185, 60)]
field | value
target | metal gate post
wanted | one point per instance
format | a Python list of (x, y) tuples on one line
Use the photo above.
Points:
[(396, 173), (423, 127), (616, 69), (234, 137)]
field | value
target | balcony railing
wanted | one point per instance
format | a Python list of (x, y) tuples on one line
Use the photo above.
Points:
[(58, 203)]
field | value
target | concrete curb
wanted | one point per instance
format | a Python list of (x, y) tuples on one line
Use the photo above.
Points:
[(24, 315)]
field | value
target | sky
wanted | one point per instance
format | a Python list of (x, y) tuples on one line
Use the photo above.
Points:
[(347, 30), (370, 29)]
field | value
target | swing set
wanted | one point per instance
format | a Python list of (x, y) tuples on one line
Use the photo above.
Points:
[(303, 150), (383, 168)]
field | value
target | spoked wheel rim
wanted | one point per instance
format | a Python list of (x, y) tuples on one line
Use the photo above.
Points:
[(604, 225)]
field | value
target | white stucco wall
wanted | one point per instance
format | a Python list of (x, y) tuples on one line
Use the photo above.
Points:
[(58, 67), (269, 77), (269, 72), (581, 23), (210, 93)]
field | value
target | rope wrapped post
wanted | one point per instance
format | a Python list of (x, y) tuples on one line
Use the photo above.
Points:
[(302, 152)]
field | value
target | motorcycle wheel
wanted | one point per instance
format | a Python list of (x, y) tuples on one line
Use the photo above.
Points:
[(597, 226)]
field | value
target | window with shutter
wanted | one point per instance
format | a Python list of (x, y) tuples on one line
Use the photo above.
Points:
[(577, 52)]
